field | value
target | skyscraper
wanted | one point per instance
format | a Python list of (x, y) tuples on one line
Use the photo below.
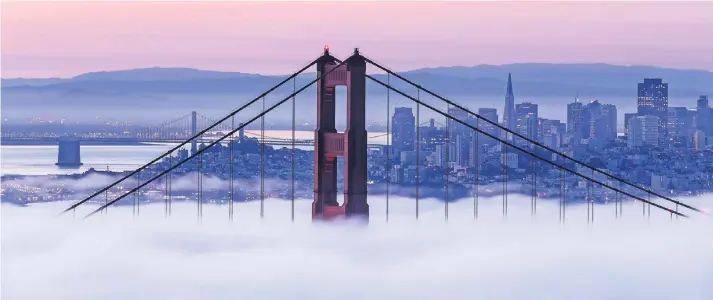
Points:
[(704, 116), (643, 130), (490, 114), (680, 125), (575, 122), (526, 119), (602, 123), (456, 128), (509, 112), (653, 101), (627, 117), (403, 126)]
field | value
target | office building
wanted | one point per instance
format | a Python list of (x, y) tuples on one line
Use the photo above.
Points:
[(643, 131), (403, 127), (652, 100), (526, 120)]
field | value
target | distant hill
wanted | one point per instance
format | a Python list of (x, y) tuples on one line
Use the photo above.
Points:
[(185, 88), (159, 74), (11, 82), (530, 79)]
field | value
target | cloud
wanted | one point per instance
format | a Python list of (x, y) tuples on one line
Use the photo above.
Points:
[(119, 256)]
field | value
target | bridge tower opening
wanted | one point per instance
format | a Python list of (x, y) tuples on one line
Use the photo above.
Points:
[(330, 144)]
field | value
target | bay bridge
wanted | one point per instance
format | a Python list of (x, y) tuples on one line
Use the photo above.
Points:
[(172, 131), (542, 163)]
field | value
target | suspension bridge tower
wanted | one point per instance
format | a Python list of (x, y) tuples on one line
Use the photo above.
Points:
[(330, 144)]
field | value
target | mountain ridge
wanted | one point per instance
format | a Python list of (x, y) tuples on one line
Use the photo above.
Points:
[(417, 70)]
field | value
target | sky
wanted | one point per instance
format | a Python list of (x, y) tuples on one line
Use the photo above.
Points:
[(119, 256), (62, 39)]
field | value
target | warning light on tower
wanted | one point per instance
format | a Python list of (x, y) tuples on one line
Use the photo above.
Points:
[(326, 48)]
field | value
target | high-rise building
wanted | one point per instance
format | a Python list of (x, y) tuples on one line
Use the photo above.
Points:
[(432, 136), (627, 117), (704, 116), (551, 131), (699, 140), (454, 127), (643, 131), (653, 101), (602, 123), (526, 120), (680, 126), (490, 114), (509, 112), (403, 126), (576, 124)]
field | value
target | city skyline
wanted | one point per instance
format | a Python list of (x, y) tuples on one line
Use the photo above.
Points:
[(53, 40), (466, 172)]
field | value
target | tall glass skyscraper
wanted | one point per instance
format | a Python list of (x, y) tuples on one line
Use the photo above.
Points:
[(653, 101)]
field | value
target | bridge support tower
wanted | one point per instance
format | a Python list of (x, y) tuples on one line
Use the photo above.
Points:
[(194, 131), (329, 144)]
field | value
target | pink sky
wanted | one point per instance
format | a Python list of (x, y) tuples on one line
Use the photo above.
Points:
[(43, 39)]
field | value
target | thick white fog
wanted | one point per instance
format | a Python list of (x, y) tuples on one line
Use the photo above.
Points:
[(119, 256)]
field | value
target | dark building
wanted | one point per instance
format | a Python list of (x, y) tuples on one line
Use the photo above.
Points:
[(652, 100), (403, 127)]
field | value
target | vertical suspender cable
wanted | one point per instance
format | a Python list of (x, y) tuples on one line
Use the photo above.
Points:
[(388, 143), (200, 186), (138, 194), (476, 170), (292, 153), (505, 166), (448, 159), (232, 172), (165, 194), (649, 207), (170, 178), (262, 161), (106, 199), (563, 194), (418, 146)]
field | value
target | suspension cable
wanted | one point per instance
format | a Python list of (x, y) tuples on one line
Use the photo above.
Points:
[(526, 138), (216, 141), (518, 147), (189, 140)]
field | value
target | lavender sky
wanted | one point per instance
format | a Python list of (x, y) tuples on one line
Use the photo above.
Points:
[(46, 39)]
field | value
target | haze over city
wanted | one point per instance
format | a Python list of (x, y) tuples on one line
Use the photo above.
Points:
[(356, 150)]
